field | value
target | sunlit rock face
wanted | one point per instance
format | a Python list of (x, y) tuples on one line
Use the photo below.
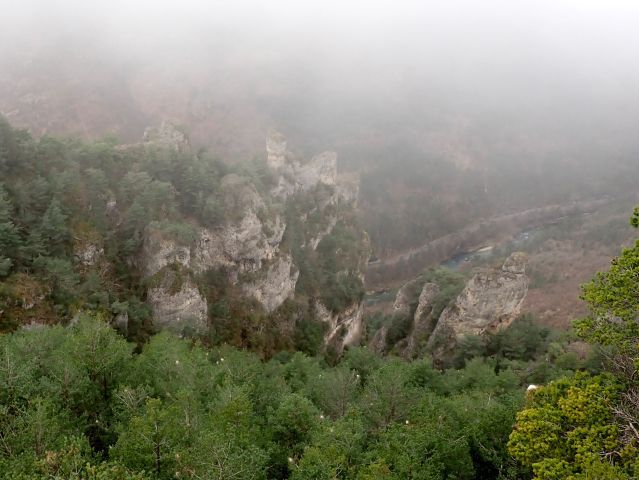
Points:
[(490, 301)]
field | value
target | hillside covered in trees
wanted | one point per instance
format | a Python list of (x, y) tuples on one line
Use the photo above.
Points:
[(266, 255), (90, 390), (80, 402)]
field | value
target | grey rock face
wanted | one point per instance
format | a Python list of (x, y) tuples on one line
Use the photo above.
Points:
[(401, 306), (321, 169), (413, 303), (89, 254), (121, 323), (404, 297), (423, 323), (275, 149), (181, 311), (490, 301), (378, 342), (295, 176), (278, 284), (348, 189), (159, 251), (425, 305), (167, 135), (245, 241), (247, 245), (344, 328)]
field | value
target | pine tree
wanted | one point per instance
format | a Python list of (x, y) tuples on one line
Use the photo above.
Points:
[(54, 229), (33, 247), (9, 238)]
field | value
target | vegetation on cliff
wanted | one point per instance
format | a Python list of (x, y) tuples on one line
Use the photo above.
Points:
[(78, 400), (75, 216)]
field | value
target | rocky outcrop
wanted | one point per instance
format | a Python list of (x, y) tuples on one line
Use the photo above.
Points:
[(321, 169), (248, 246), (405, 297), (294, 176), (121, 323), (348, 188), (423, 321), (413, 306), (181, 309), (378, 342), (490, 301), (88, 246), (158, 251), (277, 285), (167, 135), (344, 328), (251, 234), (275, 150), (88, 255)]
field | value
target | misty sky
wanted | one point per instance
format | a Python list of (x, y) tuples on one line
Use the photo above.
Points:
[(592, 41), (570, 59)]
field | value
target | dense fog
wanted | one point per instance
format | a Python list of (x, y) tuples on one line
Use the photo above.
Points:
[(521, 95)]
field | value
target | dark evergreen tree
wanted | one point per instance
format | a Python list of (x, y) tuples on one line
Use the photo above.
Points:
[(54, 229), (9, 238)]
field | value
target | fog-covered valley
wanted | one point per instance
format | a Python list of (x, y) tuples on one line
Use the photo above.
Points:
[(350, 240)]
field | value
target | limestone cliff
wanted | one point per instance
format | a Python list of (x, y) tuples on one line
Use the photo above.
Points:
[(423, 320), (490, 301), (167, 135), (404, 297), (345, 328), (276, 285), (250, 234), (294, 175), (180, 308), (413, 307), (267, 239)]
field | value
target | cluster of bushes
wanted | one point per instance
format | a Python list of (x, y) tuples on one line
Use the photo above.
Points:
[(79, 402)]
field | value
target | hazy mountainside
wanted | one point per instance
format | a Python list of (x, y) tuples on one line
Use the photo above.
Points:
[(429, 165), (187, 293), (266, 255)]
